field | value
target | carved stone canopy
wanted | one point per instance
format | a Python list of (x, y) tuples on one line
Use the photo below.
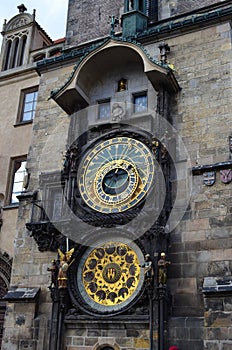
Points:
[(75, 93)]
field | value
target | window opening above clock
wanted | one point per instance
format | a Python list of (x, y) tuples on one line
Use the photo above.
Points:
[(104, 109), (140, 102)]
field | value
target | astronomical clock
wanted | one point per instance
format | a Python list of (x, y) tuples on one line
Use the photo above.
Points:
[(115, 174)]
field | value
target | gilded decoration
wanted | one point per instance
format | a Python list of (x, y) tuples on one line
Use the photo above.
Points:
[(111, 273)]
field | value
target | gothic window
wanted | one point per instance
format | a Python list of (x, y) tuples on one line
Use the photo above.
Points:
[(18, 171), (27, 105), (104, 109), (7, 55), (22, 49), (152, 10), (14, 51), (140, 102)]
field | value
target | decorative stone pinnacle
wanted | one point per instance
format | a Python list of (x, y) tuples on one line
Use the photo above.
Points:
[(22, 8), (164, 49)]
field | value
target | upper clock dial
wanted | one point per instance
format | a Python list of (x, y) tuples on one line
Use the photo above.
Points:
[(116, 174)]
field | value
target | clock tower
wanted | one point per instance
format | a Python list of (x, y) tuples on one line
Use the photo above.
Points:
[(122, 239), (117, 194)]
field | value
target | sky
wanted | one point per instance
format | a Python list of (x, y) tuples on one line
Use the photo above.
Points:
[(51, 15)]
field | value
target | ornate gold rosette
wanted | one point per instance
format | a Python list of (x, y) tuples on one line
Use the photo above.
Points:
[(111, 273)]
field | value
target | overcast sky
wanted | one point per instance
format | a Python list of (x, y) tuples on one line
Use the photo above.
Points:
[(51, 15)]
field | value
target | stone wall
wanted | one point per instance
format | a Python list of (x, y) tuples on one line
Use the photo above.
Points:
[(201, 243), (169, 8), (186, 330), (49, 136), (96, 23), (14, 142), (88, 20), (218, 321), (118, 334)]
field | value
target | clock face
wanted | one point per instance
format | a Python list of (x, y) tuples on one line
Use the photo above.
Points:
[(109, 278), (116, 174), (111, 274)]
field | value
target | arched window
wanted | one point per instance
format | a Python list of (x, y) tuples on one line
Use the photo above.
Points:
[(22, 49), (7, 54), (107, 348), (15, 53)]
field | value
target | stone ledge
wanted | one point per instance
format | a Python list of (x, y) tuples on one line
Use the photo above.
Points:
[(214, 285), (22, 295), (198, 170)]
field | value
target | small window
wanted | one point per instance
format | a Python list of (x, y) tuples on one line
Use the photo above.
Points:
[(140, 102), (28, 102), (55, 204), (104, 109), (18, 176)]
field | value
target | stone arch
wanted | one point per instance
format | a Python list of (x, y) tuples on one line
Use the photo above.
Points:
[(108, 344), (114, 53), (18, 21)]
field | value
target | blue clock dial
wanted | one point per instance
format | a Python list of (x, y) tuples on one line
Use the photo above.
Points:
[(115, 181), (116, 174)]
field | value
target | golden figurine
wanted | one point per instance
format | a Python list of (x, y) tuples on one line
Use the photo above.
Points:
[(63, 267), (122, 85)]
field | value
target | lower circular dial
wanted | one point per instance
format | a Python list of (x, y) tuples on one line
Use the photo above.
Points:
[(111, 273)]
